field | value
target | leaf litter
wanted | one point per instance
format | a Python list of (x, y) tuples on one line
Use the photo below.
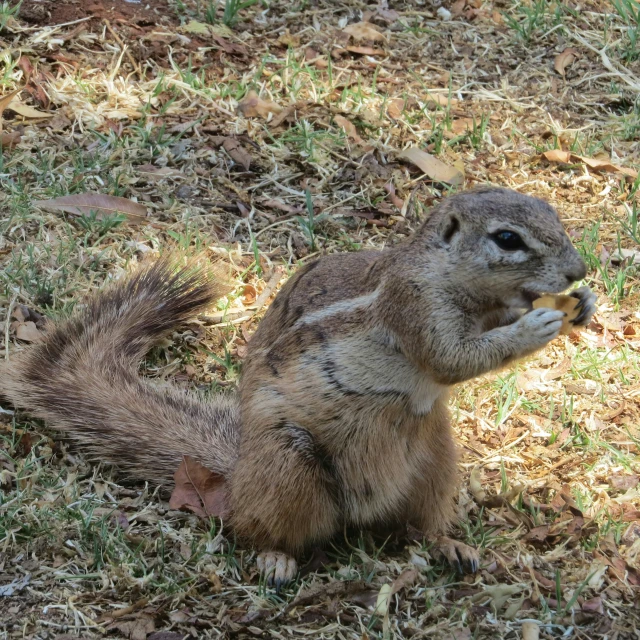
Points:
[(227, 138)]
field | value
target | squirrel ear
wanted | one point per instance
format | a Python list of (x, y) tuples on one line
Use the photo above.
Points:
[(450, 227)]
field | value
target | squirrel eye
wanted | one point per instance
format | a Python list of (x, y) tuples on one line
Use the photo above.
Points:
[(508, 240)]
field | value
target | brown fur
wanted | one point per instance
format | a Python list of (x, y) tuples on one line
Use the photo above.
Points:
[(342, 413)]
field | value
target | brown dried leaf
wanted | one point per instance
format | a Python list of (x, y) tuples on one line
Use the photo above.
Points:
[(440, 100), (537, 534), (82, 204), (4, 103), (475, 485), (136, 629), (364, 31), (282, 206), (593, 606), (606, 165), (432, 167), (390, 15), (391, 190), (288, 40), (10, 139), (349, 128), (564, 59), (195, 27), (406, 579), (237, 152), (199, 490), (559, 370), (457, 8), (462, 125), (28, 332), (366, 51), (150, 171), (557, 155), (26, 111), (286, 114), (252, 106), (624, 482), (395, 107)]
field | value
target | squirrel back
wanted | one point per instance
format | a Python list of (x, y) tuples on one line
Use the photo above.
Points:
[(82, 378)]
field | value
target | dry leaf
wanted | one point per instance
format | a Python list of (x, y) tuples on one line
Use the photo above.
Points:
[(383, 601), (287, 114), (406, 579), (475, 485), (28, 332), (564, 59), (605, 165), (199, 490), (395, 108), (593, 606), (252, 105), (26, 111), (137, 629), (237, 152), (530, 630), (624, 482), (432, 167), (289, 40), (364, 31), (199, 28), (556, 155), (82, 204), (4, 103), (568, 304), (166, 635), (559, 370), (440, 100), (150, 171), (457, 8), (390, 15), (538, 534), (282, 206), (391, 190), (10, 139), (462, 125), (349, 128), (366, 51)]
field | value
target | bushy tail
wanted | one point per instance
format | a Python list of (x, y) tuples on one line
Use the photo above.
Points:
[(82, 378)]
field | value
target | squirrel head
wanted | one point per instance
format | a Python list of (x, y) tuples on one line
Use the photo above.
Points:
[(501, 246)]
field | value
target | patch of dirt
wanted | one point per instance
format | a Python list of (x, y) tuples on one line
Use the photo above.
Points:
[(52, 12)]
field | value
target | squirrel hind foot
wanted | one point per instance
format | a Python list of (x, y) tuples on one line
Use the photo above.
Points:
[(279, 569), (460, 556)]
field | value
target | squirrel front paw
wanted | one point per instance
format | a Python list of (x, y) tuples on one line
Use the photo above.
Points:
[(586, 306), (537, 328)]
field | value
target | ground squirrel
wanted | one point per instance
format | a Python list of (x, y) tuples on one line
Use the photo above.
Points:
[(341, 415)]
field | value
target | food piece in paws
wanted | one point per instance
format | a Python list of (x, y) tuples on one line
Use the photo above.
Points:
[(568, 304)]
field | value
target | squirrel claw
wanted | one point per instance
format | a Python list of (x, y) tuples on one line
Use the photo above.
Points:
[(278, 568), (462, 557), (586, 305)]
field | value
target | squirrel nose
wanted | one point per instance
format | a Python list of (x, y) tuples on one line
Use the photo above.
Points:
[(577, 273)]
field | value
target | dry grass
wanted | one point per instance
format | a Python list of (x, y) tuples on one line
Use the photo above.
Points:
[(556, 440)]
